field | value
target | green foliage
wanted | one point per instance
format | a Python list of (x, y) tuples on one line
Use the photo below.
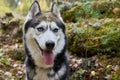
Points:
[(90, 12), (91, 9), (87, 39), (25, 5), (78, 75), (19, 55), (3, 7), (116, 76), (85, 10), (105, 8), (4, 60), (86, 1), (22, 7)]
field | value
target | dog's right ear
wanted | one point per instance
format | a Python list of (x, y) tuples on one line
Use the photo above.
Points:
[(34, 10)]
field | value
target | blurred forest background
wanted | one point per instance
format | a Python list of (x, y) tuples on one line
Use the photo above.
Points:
[(93, 30)]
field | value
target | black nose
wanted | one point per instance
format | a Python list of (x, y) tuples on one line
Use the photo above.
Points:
[(50, 44)]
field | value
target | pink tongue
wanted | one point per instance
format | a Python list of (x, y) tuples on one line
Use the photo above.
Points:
[(48, 57)]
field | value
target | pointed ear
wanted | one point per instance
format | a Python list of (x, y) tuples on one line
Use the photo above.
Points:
[(34, 10), (55, 10)]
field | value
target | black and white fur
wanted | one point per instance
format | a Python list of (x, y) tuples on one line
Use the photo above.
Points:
[(39, 28)]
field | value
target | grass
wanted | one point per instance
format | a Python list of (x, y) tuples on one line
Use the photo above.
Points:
[(4, 8), (22, 8)]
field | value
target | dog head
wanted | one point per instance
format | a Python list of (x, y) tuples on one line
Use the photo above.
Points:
[(47, 29)]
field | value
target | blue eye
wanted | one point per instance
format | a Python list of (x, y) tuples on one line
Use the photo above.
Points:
[(55, 30), (40, 29)]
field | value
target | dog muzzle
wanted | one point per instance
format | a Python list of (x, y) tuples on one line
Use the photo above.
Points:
[(47, 55)]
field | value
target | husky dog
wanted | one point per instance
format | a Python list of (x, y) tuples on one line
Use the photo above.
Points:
[(45, 44)]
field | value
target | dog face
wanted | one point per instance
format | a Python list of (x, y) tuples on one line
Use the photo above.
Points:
[(47, 34), (47, 31)]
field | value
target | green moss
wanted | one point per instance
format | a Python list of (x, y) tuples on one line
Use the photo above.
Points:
[(72, 14), (94, 9), (104, 40), (105, 8), (19, 55)]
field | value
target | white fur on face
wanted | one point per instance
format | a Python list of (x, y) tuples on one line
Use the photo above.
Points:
[(45, 35), (36, 53), (60, 44), (48, 34)]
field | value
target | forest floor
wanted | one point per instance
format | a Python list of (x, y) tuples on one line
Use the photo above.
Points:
[(97, 67)]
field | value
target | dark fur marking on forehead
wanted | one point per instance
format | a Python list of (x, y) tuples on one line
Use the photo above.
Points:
[(30, 23), (48, 17)]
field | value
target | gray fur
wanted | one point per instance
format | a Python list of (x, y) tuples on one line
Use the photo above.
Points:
[(40, 27)]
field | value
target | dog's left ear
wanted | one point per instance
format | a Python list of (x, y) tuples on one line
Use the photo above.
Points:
[(56, 11), (34, 10)]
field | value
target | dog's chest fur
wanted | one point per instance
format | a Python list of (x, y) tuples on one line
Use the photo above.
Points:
[(48, 74), (42, 74)]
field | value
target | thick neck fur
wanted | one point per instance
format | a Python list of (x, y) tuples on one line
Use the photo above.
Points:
[(42, 74)]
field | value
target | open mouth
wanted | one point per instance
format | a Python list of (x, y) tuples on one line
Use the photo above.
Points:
[(47, 55)]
